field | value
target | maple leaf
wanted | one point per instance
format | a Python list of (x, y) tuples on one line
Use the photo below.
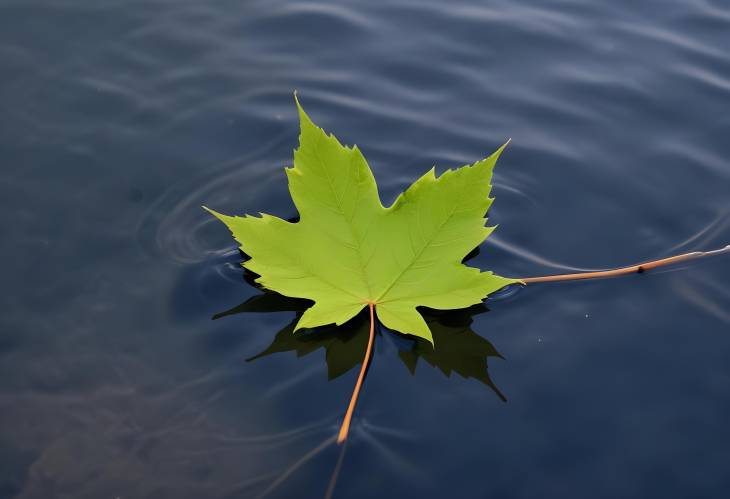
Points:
[(348, 251)]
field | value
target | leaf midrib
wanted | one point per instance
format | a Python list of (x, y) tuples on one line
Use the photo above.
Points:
[(348, 222)]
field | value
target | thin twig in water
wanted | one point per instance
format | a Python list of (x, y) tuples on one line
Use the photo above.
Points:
[(633, 269)]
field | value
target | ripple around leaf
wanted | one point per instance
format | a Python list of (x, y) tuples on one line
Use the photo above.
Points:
[(160, 231)]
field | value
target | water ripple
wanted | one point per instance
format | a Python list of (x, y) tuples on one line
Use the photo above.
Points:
[(175, 224)]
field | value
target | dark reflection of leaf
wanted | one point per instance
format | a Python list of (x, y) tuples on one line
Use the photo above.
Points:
[(344, 345), (458, 348), (268, 302)]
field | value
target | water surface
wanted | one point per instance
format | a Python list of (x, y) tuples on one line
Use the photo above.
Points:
[(119, 119)]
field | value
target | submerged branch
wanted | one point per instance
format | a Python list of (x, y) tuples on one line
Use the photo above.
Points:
[(345, 429), (633, 269)]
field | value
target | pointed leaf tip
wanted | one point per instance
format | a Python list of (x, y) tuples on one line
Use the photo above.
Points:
[(303, 116), (213, 212), (499, 151)]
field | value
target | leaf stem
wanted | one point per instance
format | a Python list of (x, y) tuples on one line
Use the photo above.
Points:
[(345, 428), (633, 269)]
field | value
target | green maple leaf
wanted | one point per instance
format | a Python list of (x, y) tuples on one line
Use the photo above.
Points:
[(348, 251)]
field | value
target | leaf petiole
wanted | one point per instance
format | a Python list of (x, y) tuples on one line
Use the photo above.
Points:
[(345, 428)]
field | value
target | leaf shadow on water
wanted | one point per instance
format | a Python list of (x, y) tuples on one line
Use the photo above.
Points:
[(459, 349)]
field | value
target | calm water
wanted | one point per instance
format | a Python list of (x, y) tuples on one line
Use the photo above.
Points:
[(119, 119)]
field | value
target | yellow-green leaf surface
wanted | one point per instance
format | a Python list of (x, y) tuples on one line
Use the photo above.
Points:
[(347, 250)]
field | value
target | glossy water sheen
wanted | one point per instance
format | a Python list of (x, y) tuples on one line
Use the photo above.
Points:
[(119, 119)]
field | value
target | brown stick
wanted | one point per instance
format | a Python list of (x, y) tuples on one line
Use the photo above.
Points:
[(345, 428), (633, 269)]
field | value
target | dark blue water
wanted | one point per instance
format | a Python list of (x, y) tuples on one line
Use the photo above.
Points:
[(119, 119)]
